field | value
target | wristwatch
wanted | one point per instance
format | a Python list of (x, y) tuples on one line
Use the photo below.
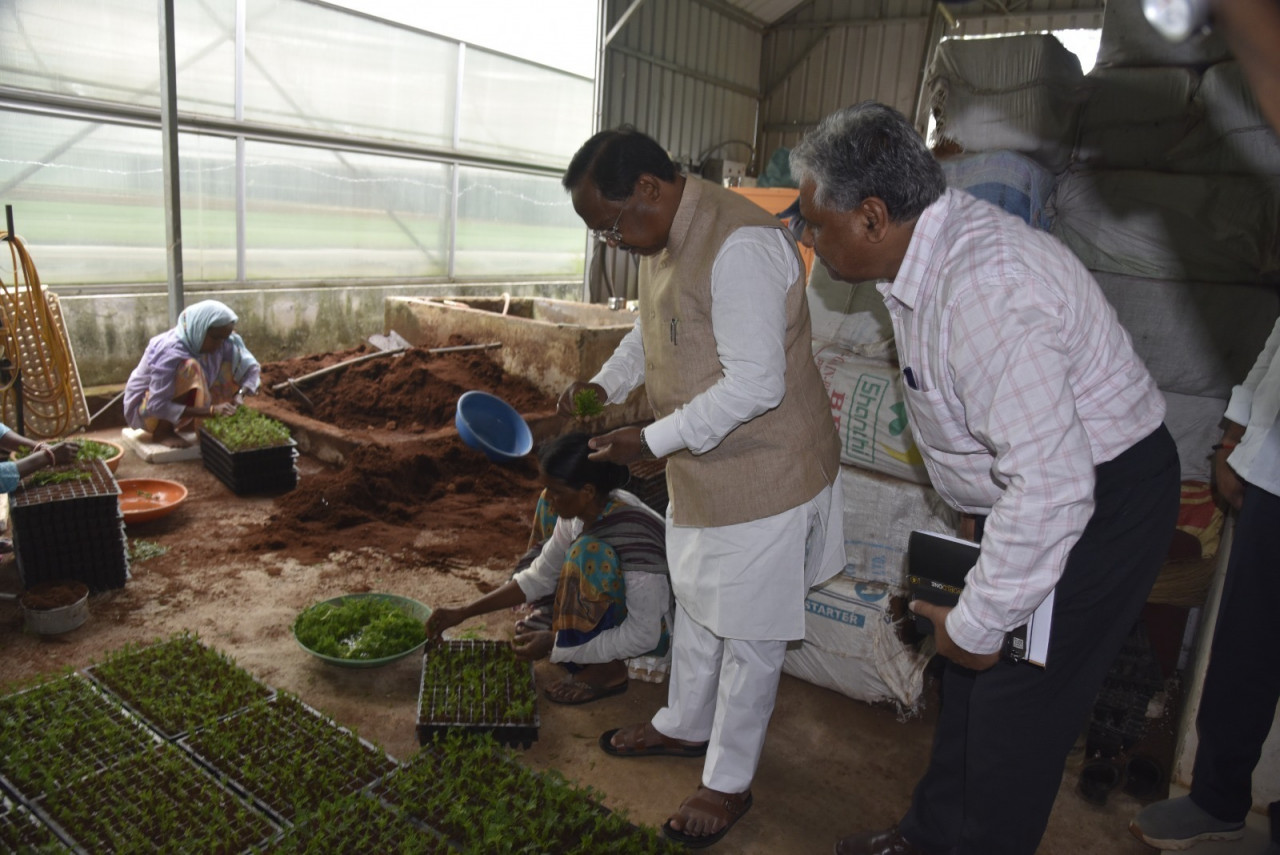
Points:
[(645, 451)]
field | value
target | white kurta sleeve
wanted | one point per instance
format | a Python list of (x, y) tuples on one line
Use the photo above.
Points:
[(750, 279)]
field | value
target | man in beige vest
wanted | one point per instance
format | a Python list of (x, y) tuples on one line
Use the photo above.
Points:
[(723, 348)]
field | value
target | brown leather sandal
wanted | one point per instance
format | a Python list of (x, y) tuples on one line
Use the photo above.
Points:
[(728, 808), (650, 743)]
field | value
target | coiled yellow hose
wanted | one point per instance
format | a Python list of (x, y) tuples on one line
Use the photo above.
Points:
[(34, 344)]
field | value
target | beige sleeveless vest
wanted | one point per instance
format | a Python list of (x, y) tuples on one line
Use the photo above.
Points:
[(781, 458)]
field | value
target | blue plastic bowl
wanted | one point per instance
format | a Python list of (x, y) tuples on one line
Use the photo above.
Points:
[(489, 424)]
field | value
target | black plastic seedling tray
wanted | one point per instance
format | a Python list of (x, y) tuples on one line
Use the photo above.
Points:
[(256, 470), (477, 687)]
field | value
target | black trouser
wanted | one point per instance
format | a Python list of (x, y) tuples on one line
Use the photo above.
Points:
[(1242, 685), (1003, 734)]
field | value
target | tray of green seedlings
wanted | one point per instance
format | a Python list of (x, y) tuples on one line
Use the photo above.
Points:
[(249, 452), (22, 831), (473, 791), (287, 757), (61, 729), (477, 687), (177, 684), (358, 823), (155, 801)]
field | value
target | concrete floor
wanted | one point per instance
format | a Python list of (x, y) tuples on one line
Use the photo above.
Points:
[(831, 765)]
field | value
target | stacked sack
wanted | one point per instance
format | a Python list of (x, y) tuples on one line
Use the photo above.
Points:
[(1173, 201), (852, 640)]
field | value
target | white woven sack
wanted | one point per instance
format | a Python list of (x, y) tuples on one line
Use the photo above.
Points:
[(1128, 40), (1012, 182), (1135, 117), (851, 646), (870, 413), (1230, 134), (851, 315), (1016, 93), (1196, 338), (1196, 424), (1207, 228), (880, 512)]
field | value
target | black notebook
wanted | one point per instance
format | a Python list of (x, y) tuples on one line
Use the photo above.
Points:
[(937, 565)]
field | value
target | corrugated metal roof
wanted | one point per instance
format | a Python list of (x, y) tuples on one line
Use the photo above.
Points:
[(767, 11)]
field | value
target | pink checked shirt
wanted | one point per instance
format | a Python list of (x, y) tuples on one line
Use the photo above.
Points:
[(1019, 380)]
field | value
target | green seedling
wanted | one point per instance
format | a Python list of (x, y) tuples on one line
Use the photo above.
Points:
[(247, 429), (586, 404), (45, 477), (141, 550), (358, 629)]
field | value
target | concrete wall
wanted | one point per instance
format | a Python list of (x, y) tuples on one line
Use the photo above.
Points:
[(109, 331), (550, 343)]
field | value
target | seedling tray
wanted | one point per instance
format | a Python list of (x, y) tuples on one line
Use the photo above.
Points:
[(178, 684), (477, 687), (472, 791), (358, 823), (61, 730), (154, 801), (288, 757), (22, 831), (71, 530), (256, 470)]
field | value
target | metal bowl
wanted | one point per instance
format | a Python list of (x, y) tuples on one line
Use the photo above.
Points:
[(58, 619), (413, 608)]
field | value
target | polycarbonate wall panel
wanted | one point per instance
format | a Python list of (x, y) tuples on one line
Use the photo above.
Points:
[(351, 133), (205, 57), (513, 224), (105, 49), (208, 182), (86, 198), (522, 111), (321, 214), (320, 69)]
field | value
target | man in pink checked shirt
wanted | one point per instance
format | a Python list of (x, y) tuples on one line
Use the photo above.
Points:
[(1033, 413)]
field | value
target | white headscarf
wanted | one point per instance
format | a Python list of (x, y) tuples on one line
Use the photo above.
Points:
[(193, 326)]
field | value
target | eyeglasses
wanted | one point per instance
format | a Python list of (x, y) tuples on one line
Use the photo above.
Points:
[(611, 234)]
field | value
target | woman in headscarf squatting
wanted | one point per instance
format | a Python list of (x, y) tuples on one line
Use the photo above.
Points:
[(200, 368)]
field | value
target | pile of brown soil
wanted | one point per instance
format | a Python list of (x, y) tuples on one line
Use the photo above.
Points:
[(430, 501), (414, 391), (434, 502)]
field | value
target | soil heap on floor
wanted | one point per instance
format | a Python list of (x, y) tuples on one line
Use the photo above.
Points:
[(433, 502)]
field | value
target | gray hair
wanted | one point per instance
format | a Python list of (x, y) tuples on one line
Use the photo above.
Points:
[(869, 150)]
